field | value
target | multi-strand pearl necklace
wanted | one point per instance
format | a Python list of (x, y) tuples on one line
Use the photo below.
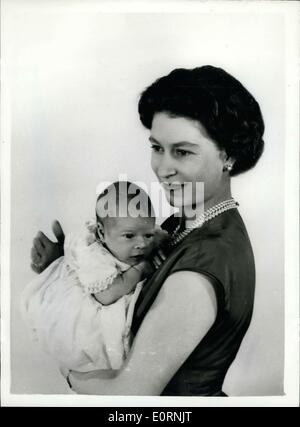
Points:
[(210, 213)]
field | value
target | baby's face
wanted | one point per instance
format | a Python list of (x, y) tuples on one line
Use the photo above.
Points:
[(129, 239)]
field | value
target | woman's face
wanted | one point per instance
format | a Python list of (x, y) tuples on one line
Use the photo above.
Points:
[(183, 153)]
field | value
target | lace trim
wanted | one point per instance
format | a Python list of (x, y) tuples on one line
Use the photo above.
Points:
[(95, 287), (92, 230)]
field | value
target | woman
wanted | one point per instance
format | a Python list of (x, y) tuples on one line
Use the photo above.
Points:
[(193, 313)]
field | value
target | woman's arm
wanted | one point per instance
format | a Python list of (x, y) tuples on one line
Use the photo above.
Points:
[(180, 317)]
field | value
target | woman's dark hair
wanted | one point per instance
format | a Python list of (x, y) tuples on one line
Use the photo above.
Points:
[(229, 113)]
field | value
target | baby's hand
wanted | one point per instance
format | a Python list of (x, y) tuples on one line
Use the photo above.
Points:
[(160, 239), (145, 268), (157, 255), (160, 236)]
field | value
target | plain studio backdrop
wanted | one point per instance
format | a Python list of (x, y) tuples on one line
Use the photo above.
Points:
[(75, 84)]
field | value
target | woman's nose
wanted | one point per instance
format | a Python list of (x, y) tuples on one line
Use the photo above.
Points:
[(165, 167)]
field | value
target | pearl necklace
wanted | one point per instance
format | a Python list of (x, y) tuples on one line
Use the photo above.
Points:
[(206, 216)]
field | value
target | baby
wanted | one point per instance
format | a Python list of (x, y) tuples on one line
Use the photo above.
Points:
[(80, 308)]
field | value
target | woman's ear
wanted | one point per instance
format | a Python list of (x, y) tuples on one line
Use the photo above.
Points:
[(228, 162), (100, 231)]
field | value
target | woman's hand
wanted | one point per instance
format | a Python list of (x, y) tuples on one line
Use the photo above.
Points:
[(44, 251)]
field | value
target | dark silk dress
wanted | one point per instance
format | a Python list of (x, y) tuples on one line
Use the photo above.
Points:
[(221, 250)]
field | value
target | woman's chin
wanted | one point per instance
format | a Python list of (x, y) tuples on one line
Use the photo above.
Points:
[(176, 202), (173, 202)]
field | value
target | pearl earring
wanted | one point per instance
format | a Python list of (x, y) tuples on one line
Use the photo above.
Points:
[(227, 167)]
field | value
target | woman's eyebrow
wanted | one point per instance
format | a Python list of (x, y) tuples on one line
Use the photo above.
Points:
[(151, 139), (176, 144), (186, 143)]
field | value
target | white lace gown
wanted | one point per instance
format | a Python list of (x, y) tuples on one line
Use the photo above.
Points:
[(63, 316)]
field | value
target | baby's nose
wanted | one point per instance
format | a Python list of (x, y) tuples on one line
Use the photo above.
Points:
[(140, 243)]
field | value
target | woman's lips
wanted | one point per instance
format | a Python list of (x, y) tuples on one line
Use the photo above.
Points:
[(172, 186)]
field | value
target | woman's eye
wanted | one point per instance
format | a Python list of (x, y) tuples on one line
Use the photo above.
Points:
[(182, 153), (156, 148)]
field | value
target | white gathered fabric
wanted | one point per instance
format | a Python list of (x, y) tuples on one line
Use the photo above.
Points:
[(78, 331), (95, 266)]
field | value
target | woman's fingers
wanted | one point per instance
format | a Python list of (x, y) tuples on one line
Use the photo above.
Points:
[(44, 251), (64, 372), (44, 240), (39, 247), (36, 268), (35, 256), (58, 232)]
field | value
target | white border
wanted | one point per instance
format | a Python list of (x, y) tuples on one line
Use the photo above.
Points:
[(291, 384)]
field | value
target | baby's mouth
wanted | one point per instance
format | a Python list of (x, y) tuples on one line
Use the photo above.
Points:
[(137, 258)]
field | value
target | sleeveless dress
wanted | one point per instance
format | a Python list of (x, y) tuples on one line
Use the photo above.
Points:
[(221, 250)]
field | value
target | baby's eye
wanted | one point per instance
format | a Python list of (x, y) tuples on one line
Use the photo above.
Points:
[(149, 235), (128, 235), (182, 153)]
